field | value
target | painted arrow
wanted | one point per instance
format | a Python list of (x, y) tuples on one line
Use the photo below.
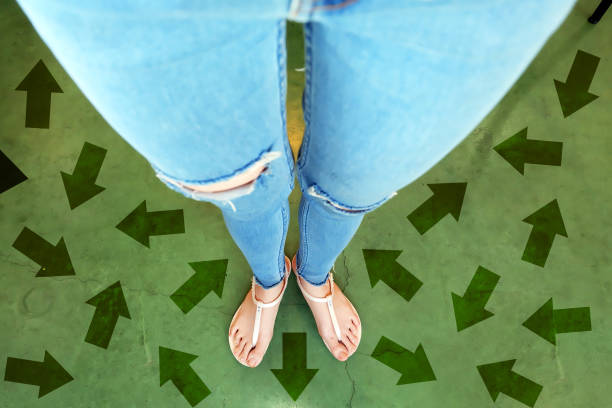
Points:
[(518, 150), (546, 322), (294, 376), (499, 377), (470, 308), (574, 93), (547, 222), (414, 367), (381, 265), (10, 175), (48, 375), (109, 304), (174, 365), (54, 260), (447, 198), (141, 224), (39, 84), (209, 276), (81, 185)]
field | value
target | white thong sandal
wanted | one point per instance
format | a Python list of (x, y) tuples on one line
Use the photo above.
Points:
[(260, 306), (328, 299)]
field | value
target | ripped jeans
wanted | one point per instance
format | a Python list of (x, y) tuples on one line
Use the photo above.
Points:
[(198, 88)]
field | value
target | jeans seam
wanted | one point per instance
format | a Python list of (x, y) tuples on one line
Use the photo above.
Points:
[(302, 160), (281, 250), (304, 255), (282, 79)]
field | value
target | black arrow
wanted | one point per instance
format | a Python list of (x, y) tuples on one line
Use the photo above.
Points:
[(110, 304), (574, 92), (546, 322), (174, 366), (81, 185), (381, 265), (294, 376), (447, 198), (518, 150), (54, 260), (547, 222), (48, 375), (38, 84), (414, 367), (140, 224), (470, 308), (10, 175), (499, 377)]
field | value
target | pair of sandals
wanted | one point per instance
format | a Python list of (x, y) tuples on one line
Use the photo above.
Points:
[(261, 305)]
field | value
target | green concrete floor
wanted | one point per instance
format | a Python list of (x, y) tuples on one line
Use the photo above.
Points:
[(40, 315)]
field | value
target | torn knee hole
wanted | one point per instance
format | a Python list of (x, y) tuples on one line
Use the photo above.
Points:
[(244, 179)]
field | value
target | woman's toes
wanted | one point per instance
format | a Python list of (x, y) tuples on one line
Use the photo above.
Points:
[(245, 352), (350, 344), (340, 351), (255, 356), (353, 338)]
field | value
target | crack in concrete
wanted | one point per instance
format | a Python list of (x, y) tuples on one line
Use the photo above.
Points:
[(350, 401)]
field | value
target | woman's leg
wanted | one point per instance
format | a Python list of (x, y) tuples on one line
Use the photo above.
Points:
[(197, 88), (392, 86)]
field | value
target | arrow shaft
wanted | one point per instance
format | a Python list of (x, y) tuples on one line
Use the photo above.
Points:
[(583, 70), (481, 286), (402, 281), (34, 246), (38, 107), (294, 351), (428, 214), (543, 152), (191, 292), (23, 371), (101, 327), (89, 162), (191, 386), (576, 319), (521, 389), (165, 222), (538, 246)]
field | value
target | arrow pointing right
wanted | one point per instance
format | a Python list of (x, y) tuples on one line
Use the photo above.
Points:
[(39, 83), (10, 173), (294, 376), (174, 365), (499, 377), (54, 260), (49, 375), (414, 367), (447, 198)]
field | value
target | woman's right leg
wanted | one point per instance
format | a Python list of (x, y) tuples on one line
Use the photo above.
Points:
[(198, 90)]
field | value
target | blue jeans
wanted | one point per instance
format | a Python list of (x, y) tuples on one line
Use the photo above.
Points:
[(198, 88)]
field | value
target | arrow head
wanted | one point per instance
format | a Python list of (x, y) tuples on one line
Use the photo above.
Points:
[(379, 262), (59, 262), (39, 78), (496, 376), (78, 190), (548, 218), (468, 313), (449, 196), (542, 322), (512, 150), (111, 300), (173, 363), (295, 380), (136, 224), (419, 370), (52, 376), (572, 98)]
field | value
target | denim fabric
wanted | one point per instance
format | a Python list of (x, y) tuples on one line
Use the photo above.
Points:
[(198, 88)]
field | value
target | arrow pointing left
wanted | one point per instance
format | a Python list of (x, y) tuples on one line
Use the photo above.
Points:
[(49, 375), (54, 260), (39, 84), (110, 304), (140, 224)]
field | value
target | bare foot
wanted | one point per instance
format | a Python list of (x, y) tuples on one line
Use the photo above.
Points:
[(241, 329), (348, 319)]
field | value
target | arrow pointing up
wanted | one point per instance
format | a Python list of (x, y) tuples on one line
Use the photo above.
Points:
[(547, 222), (110, 304), (414, 367), (49, 375), (381, 265), (54, 260), (81, 185), (209, 276), (574, 92), (39, 83), (294, 376), (140, 223), (174, 366), (447, 198)]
